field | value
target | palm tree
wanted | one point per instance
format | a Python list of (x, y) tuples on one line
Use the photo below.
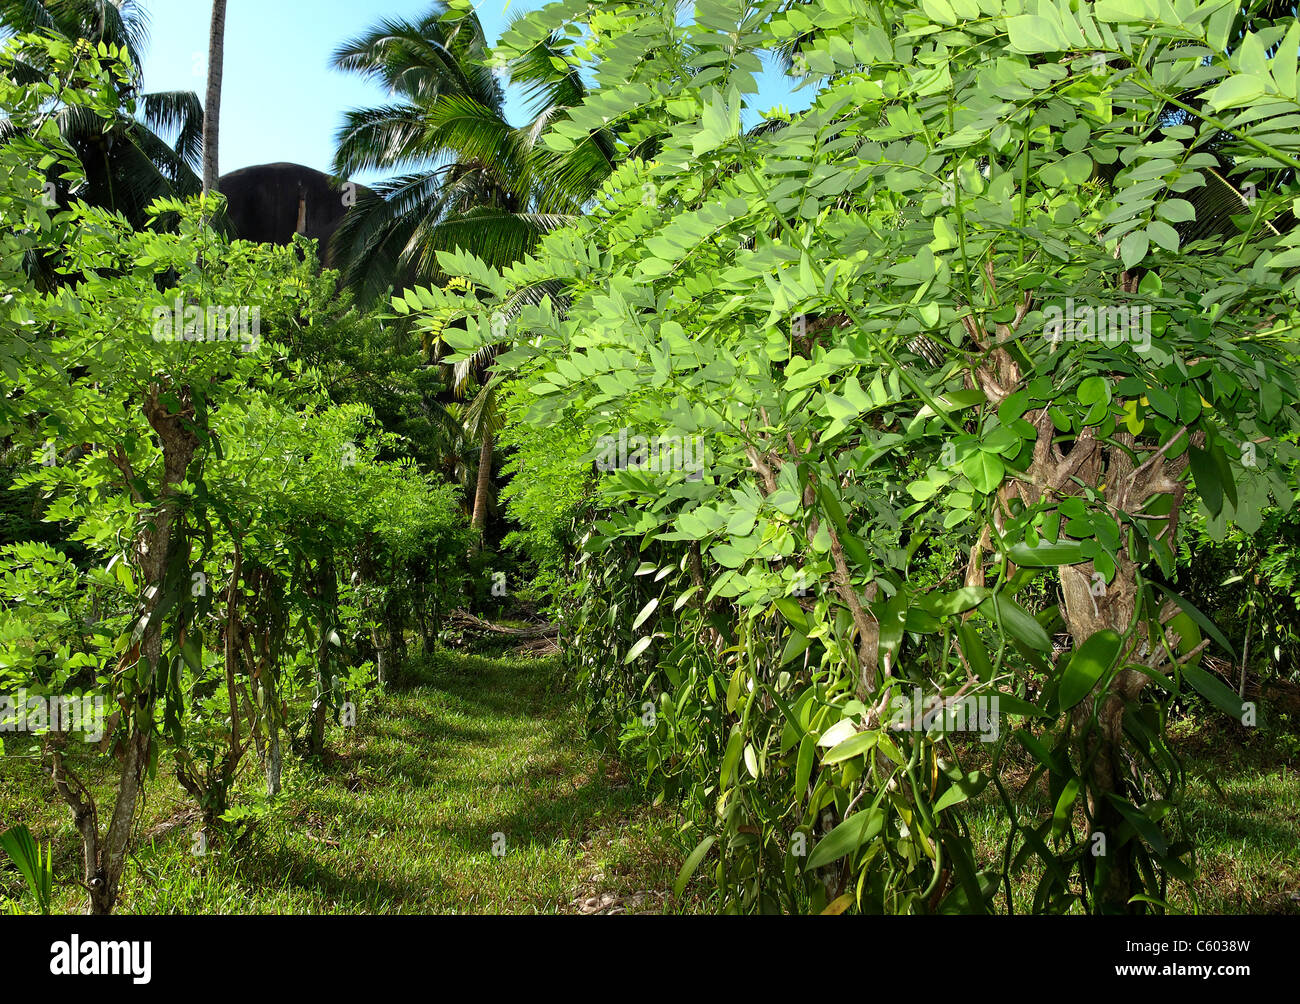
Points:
[(482, 421), (477, 422), (212, 116), (127, 162), (465, 453), (471, 180)]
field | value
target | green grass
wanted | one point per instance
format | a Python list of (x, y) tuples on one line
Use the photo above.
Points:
[(400, 817), (1241, 810)]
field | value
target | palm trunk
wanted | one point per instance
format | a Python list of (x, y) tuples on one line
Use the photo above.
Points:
[(479, 518), (212, 105)]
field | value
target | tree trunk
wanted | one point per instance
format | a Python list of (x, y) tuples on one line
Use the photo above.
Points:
[(220, 798), (1108, 467), (212, 105), (273, 716), (394, 650), (326, 591), (104, 856), (113, 850), (479, 518), (427, 622), (274, 759), (319, 709)]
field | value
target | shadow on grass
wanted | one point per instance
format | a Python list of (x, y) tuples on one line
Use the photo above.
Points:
[(399, 816), (260, 867), (470, 748)]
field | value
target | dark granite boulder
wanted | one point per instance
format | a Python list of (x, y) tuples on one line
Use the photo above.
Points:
[(269, 203)]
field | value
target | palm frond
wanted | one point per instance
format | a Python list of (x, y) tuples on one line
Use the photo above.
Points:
[(547, 78), (19, 16), (444, 53), (179, 114), (474, 182), (177, 169), (570, 179), (461, 128), (119, 22), (497, 236), (388, 137), (482, 416), (370, 241)]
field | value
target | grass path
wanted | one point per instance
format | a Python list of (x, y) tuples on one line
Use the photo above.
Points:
[(405, 814), (401, 817)]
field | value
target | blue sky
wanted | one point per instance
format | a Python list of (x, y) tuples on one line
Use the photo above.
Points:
[(280, 99)]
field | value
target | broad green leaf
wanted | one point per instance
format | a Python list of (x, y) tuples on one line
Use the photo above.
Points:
[(1018, 622), (939, 10), (973, 649), (851, 747), (984, 470), (1064, 810), (838, 732), (1213, 690), (847, 837), (1237, 90), (1031, 33), (1092, 659), (731, 756), (967, 786), (1133, 248), (1046, 555), (640, 646), (803, 766), (796, 646), (1208, 483), (692, 862), (646, 611), (1146, 829), (1205, 624), (958, 601)]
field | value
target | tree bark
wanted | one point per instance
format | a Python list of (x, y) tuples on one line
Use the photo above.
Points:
[(116, 843), (319, 709), (479, 518), (104, 856), (274, 759), (212, 105), (1110, 470), (326, 593)]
